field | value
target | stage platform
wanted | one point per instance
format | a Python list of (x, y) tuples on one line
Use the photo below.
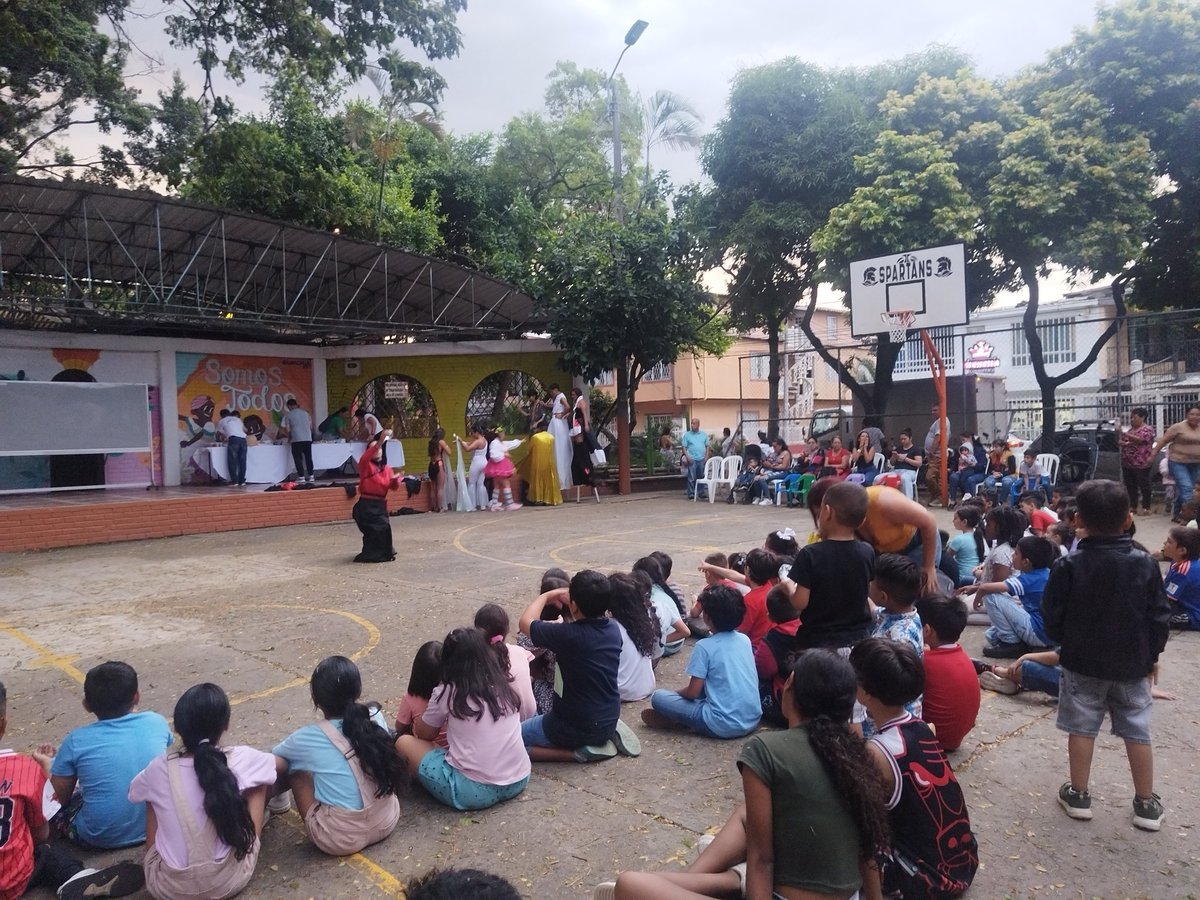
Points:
[(72, 518)]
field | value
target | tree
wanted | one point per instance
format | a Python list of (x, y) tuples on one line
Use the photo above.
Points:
[(668, 120), (624, 297), (780, 160), (60, 70), (1141, 60)]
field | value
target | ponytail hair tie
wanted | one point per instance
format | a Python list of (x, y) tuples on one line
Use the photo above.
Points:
[(203, 741), (496, 639), (786, 534)]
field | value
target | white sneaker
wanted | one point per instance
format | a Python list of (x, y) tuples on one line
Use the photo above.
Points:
[(990, 681), (280, 803)]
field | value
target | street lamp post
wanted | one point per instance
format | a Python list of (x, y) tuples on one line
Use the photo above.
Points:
[(624, 481)]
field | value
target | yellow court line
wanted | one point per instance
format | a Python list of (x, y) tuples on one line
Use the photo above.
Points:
[(46, 657), (458, 545), (381, 877)]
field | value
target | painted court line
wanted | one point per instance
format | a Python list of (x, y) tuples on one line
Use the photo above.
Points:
[(46, 656)]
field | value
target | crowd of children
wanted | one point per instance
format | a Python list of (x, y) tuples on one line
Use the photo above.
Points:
[(831, 642)]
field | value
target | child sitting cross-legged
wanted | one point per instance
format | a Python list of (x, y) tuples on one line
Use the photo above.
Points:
[(895, 589), (813, 817), (721, 698), (92, 769), (640, 635), (486, 762), (492, 620), (1017, 623), (933, 851), (584, 723), (27, 859), (205, 804), (343, 771), (672, 630), (773, 657), (951, 700), (542, 668), (425, 675)]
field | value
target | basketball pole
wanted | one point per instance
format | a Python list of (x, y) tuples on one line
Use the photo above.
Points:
[(937, 368)]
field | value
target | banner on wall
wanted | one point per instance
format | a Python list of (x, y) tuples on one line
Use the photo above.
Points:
[(257, 387)]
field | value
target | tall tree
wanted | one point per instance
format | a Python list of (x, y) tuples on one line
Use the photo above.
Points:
[(668, 120)]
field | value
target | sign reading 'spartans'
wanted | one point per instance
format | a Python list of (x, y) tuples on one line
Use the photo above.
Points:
[(930, 283)]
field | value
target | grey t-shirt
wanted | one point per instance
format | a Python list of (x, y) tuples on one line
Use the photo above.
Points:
[(299, 425)]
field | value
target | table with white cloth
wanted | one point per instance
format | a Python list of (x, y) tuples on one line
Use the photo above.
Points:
[(272, 463)]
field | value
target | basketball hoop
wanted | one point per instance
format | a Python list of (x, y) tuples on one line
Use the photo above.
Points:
[(898, 322)]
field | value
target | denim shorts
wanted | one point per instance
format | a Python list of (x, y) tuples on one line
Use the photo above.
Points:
[(533, 734), (1083, 701), (453, 788)]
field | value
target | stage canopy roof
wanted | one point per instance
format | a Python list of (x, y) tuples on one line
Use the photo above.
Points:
[(84, 258)]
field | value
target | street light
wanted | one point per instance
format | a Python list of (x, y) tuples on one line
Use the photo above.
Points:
[(614, 110), (624, 482)]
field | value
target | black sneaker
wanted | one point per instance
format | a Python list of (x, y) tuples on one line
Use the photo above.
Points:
[(980, 666), (1006, 651), (1078, 804), (1180, 620), (119, 880), (1148, 813)]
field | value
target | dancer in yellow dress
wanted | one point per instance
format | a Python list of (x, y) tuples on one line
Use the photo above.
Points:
[(539, 470)]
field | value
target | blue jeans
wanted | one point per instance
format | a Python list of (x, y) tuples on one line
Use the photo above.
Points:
[(236, 456), (677, 708), (1037, 677), (695, 470), (1186, 475), (1010, 622), (1001, 486)]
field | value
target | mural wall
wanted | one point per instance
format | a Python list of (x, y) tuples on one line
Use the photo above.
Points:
[(256, 386)]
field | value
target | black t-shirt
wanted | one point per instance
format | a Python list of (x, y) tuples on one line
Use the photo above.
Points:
[(908, 458), (837, 575), (588, 652)]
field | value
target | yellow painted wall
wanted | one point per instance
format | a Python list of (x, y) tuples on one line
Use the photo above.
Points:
[(450, 379)]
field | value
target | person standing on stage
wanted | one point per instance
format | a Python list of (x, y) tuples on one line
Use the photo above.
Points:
[(375, 479), (231, 430), (560, 427), (297, 428)]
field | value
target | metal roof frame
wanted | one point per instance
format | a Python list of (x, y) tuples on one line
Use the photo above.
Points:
[(82, 257)]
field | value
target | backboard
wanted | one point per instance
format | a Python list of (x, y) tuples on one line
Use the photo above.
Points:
[(931, 282)]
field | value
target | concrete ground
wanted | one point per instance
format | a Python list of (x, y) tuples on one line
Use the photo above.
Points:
[(255, 611)]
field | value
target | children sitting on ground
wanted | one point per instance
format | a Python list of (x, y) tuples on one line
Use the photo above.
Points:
[(1039, 672), (426, 674), (1106, 607), (92, 769), (343, 771), (205, 804), (761, 573), (813, 815), (672, 630), (27, 859), (492, 619), (542, 670), (950, 703), (773, 657), (584, 723), (933, 852), (721, 698), (667, 565), (1182, 581), (486, 762), (640, 635), (894, 591), (1014, 606), (967, 547)]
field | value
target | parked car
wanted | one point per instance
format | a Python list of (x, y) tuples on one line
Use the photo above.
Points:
[(1086, 450)]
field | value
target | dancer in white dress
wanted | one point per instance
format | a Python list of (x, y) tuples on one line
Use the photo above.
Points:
[(477, 445), (560, 427)]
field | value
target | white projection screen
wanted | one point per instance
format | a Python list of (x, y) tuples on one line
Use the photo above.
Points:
[(52, 418)]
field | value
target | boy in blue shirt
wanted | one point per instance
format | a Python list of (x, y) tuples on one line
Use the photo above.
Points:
[(721, 699), (1182, 581), (92, 770), (1014, 605)]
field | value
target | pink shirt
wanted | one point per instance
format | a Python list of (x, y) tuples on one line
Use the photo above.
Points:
[(252, 768), (412, 706), (518, 660), (489, 750)]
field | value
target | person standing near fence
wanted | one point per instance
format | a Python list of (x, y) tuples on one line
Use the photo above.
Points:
[(1136, 444), (297, 427), (695, 453), (1183, 459), (933, 471)]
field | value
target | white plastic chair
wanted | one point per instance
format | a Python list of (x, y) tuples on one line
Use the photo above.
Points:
[(1049, 464), (731, 468), (712, 477)]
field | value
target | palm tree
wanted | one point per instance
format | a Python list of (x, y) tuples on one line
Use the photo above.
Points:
[(670, 120)]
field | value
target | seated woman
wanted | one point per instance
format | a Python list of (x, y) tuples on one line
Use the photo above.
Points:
[(837, 458), (775, 468), (864, 460), (814, 812)]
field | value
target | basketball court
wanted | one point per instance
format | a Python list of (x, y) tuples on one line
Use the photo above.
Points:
[(255, 611)]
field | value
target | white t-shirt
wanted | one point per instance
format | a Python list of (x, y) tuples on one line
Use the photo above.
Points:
[(231, 426), (518, 661), (668, 615), (1000, 555), (371, 424), (635, 673)]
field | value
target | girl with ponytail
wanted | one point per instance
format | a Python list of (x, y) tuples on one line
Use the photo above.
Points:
[(200, 785), (492, 619), (487, 762), (814, 815), (344, 771)]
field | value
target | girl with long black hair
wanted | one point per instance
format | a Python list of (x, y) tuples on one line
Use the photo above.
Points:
[(671, 627), (199, 785), (486, 762), (640, 635), (814, 815), (344, 771)]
